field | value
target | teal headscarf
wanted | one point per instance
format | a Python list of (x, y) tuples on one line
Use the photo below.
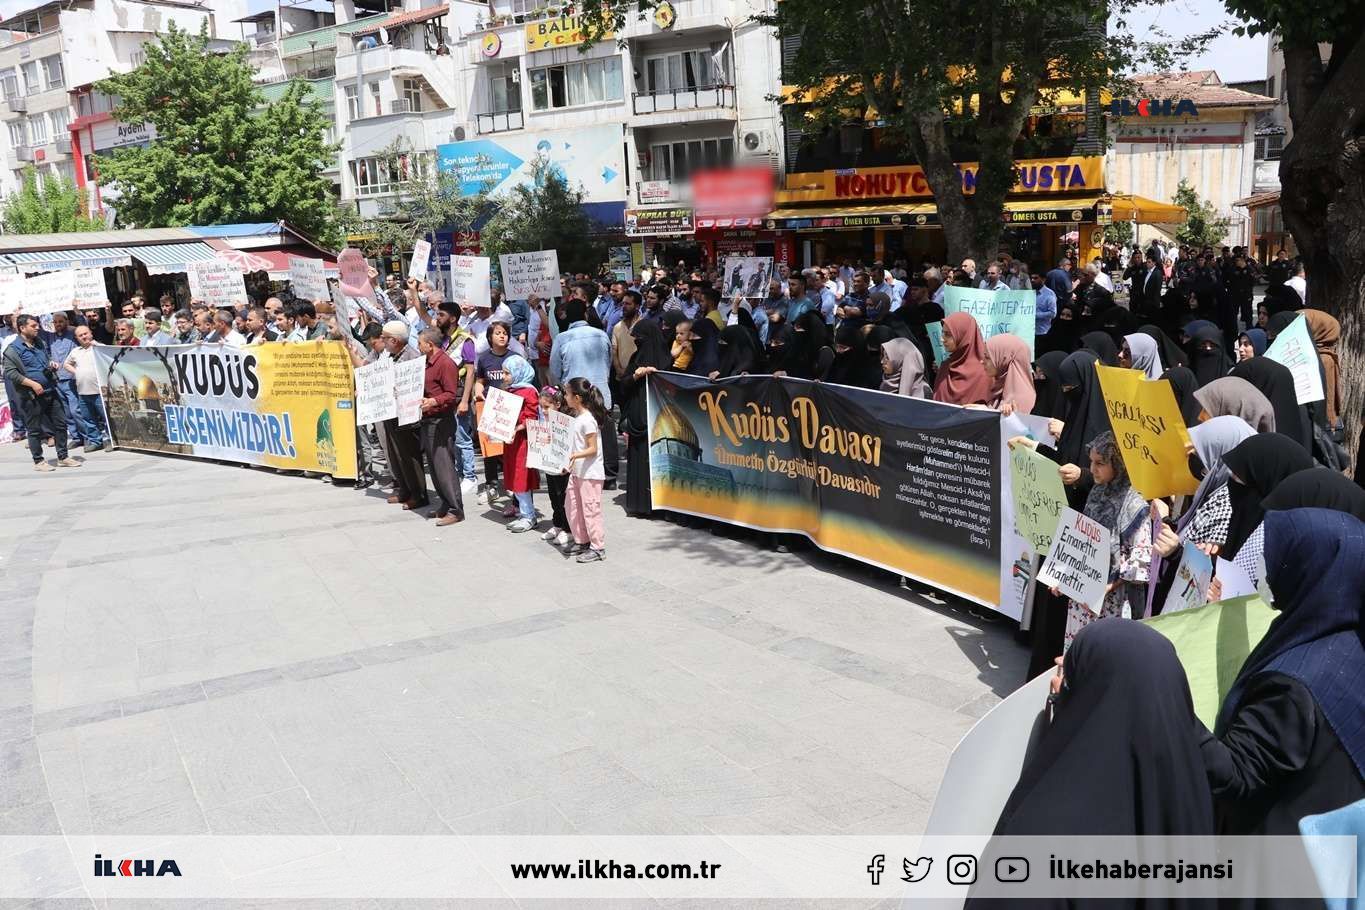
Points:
[(520, 373)]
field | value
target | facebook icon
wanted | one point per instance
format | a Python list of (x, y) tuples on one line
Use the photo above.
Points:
[(876, 867)]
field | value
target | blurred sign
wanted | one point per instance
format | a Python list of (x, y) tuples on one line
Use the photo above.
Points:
[(739, 192)]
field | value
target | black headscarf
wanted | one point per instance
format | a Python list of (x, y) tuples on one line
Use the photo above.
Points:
[(1125, 706), (1086, 417), (1183, 384), (1172, 355), (1277, 384), (1064, 332), (1258, 464), (1317, 488), (650, 347), (738, 351), (705, 348), (1280, 298), (670, 326), (1047, 383), (1208, 365), (779, 346), (1315, 564), (1279, 322), (1102, 346), (809, 355)]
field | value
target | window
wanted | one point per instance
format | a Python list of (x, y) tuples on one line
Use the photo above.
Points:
[(31, 81), (137, 58), (679, 72), (590, 82), (9, 83), (58, 120), (1270, 86), (412, 94), (37, 129), (1268, 148), (504, 90), (52, 71), (352, 102), (1284, 88), (375, 105), (18, 133), (373, 176), (676, 160)]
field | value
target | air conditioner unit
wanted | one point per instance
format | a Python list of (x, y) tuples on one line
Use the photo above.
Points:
[(757, 144), (24, 153), (18, 104), (63, 144)]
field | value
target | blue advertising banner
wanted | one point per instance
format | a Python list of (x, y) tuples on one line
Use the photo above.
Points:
[(593, 158)]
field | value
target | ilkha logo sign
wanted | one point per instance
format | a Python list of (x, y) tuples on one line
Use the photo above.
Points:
[(128, 868), (1152, 107)]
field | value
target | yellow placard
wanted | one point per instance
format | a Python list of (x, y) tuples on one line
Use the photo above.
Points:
[(565, 31), (1150, 431)]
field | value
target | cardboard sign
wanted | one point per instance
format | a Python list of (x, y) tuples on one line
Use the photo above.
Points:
[(500, 412), (1039, 496), (525, 274), (374, 400), (90, 289), (1191, 586), (1003, 312), (747, 276), (469, 280), (408, 378), (11, 292), (935, 331), (1077, 564), (50, 293), (549, 442), (1150, 431), (421, 256), (217, 283), (1212, 643), (1293, 348), (1233, 579), (307, 278), (355, 275)]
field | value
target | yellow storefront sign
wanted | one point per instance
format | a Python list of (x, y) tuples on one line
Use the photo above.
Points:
[(566, 31), (1043, 176)]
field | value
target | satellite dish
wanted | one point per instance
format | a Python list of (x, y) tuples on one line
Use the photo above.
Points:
[(289, 28), (383, 35)]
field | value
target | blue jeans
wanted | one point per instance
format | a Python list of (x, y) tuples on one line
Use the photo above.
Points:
[(464, 444), (72, 403), (525, 506), (91, 415)]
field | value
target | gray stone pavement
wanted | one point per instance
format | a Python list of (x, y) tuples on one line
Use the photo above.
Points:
[(188, 647)]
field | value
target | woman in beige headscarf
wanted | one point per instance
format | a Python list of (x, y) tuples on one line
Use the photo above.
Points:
[(1326, 332), (903, 369)]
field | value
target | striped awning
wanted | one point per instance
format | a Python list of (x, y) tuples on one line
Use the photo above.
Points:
[(169, 258), (55, 260)]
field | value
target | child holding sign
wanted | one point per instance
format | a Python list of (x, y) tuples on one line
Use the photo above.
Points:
[(584, 501), (1117, 506), (552, 399), (520, 480)]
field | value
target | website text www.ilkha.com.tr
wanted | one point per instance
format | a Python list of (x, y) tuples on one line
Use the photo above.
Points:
[(610, 869)]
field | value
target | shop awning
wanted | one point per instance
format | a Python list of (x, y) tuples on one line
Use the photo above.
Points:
[(906, 214), (1044, 210), (1146, 211), (54, 260), (169, 258)]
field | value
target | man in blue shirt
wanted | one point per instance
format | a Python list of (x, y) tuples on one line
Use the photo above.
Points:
[(609, 306), (802, 299), (1059, 280), (581, 351), (61, 341), (885, 283), (1045, 305), (29, 366)]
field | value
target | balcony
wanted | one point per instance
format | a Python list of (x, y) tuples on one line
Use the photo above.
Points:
[(422, 131), (500, 122), (18, 104), (688, 99)]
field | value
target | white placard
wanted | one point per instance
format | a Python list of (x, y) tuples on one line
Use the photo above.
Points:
[(374, 398), (1293, 348), (307, 278), (549, 442), (1077, 565), (421, 256), (217, 283), (50, 293), (90, 289), (500, 412), (6, 417), (408, 377), (524, 274), (1233, 579), (11, 291), (1192, 577), (469, 280), (747, 275)]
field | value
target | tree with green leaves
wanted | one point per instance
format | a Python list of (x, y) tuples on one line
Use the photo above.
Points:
[(949, 83), (546, 214), (221, 153), (1322, 169), (1203, 225), (424, 201), (58, 206)]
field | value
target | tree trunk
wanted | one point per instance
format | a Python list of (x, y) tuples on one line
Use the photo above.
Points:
[(1322, 179)]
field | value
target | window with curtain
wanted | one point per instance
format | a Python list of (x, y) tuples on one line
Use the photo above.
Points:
[(37, 129), (574, 84), (52, 71), (675, 161), (681, 71)]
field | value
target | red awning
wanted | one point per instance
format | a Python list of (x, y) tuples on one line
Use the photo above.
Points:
[(275, 263), (409, 17)]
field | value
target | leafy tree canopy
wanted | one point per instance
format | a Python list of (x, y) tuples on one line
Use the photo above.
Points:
[(1203, 225), (57, 207), (547, 214)]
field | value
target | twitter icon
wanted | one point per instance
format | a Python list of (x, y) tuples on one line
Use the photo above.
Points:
[(916, 870)]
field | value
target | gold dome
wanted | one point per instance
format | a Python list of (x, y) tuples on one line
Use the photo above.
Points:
[(673, 424), (147, 390)]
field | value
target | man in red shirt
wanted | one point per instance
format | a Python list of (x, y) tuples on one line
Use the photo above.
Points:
[(440, 398)]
